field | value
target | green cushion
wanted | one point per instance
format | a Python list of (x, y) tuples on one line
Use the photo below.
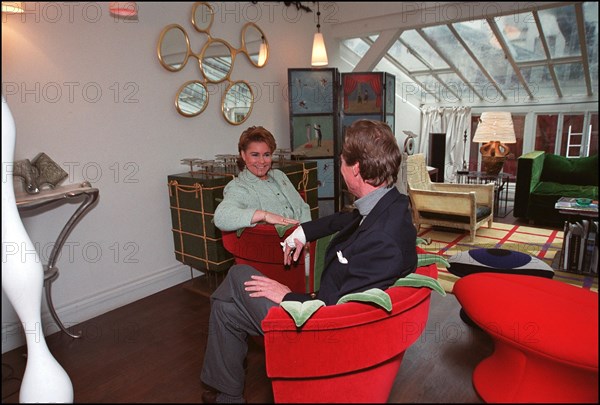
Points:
[(557, 190), (579, 171)]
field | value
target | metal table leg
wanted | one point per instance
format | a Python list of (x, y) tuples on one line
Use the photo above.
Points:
[(49, 276), (90, 195)]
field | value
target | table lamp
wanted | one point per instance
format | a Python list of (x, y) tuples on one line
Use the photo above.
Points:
[(496, 130)]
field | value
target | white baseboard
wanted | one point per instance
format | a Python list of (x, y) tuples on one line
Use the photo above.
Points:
[(74, 313)]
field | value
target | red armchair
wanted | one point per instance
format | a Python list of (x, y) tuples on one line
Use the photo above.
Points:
[(259, 247), (344, 353)]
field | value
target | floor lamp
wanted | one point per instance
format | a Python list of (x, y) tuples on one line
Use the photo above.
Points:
[(44, 379)]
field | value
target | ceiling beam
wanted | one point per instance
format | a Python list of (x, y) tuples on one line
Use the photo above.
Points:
[(583, 47), (544, 43), (455, 70), (508, 55), (377, 50), (476, 60)]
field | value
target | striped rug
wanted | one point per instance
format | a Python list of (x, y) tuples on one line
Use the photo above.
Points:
[(541, 243)]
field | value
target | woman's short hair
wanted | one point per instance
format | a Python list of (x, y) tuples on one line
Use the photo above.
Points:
[(254, 134), (373, 145)]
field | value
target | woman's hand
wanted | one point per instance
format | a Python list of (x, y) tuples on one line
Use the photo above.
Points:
[(273, 219), (260, 286)]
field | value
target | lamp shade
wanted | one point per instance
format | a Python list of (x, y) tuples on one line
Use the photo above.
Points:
[(13, 7), (319, 53), (495, 126)]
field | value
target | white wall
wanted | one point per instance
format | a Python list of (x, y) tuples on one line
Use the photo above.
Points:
[(88, 90), (127, 139)]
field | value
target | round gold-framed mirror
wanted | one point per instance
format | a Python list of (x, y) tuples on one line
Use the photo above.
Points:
[(216, 60), (173, 47), (255, 44), (191, 98), (238, 101), (202, 16)]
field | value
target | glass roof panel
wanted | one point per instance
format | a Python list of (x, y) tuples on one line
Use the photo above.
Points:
[(560, 29), (454, 52), (570, 78), (412, 39), (474, 65), (431, 85), (406, 87), (403, 55), (539, 81), (455, 88), (480, 39), (520, 33), (357, 45)]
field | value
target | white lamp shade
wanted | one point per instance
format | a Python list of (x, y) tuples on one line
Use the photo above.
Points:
[(13, 7), (319, 53), (495, 126)]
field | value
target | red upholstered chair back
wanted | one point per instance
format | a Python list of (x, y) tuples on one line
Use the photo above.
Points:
[(344, 353), (260, 248)]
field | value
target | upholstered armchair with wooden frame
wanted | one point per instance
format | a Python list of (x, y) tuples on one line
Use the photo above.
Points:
[(462, 206)]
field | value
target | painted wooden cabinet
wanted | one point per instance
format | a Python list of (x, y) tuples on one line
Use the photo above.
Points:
[(367, 95), (314, 106)]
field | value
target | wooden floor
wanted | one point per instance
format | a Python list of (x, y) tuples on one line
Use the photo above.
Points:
[(152, 350)]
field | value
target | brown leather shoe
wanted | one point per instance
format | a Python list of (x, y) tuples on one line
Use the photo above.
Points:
[(210, 397)]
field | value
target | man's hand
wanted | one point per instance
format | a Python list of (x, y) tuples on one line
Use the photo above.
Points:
[(291, 254), (292, 246), (260, 286)]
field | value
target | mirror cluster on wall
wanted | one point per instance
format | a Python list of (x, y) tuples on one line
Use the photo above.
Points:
[(215, 60)]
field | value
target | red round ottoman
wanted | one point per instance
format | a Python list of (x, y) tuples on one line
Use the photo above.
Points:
[(545, 336)]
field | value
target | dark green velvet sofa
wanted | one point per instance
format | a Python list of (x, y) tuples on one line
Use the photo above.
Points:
[(542, 178)]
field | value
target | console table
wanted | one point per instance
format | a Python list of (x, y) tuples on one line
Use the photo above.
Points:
[(28, 202)]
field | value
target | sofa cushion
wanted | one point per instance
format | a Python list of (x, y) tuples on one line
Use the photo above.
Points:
[(546, 194), (579, 171), (549, 188)]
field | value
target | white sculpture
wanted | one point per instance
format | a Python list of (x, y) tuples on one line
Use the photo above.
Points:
[(22, 281)]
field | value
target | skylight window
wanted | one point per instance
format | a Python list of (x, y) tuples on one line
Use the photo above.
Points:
[(541, 55)]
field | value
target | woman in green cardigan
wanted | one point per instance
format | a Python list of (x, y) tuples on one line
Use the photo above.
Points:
[(259, 194)]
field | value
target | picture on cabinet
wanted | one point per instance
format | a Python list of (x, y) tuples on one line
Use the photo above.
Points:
[(311, 91), (325, 178), (363, 93), (312, 136)]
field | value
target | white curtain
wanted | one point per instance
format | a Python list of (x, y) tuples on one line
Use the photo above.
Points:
[(453, 121)]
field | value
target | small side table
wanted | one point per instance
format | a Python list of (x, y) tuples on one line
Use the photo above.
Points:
[(28, 202), (579, 253), (501, 182)]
